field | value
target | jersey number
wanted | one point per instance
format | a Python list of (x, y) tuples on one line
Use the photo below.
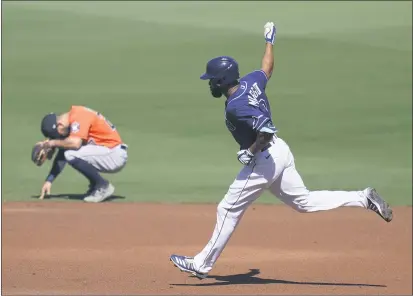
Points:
[(111, 125)]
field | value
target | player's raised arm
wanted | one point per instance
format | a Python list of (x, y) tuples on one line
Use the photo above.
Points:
[(267, 64)]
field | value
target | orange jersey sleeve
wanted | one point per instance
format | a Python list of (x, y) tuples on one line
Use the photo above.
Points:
[(93, 127)]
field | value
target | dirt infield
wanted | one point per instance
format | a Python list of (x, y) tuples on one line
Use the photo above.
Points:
[(123, 248)]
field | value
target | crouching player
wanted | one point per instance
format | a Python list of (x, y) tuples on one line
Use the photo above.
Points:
[(90, 144)]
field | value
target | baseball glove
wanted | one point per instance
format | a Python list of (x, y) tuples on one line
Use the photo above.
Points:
[(41, 153)]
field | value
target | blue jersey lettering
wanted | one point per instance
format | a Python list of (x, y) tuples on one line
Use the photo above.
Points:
[(247, 111)]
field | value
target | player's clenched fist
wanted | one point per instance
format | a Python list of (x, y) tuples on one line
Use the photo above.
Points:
[(269, 32), (245, 156)]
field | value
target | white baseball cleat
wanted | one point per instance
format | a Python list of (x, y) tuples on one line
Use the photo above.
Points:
[(186, 264), (100, 193), (378, 204)]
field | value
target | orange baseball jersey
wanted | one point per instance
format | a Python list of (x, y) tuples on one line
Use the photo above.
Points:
[(92, 127)]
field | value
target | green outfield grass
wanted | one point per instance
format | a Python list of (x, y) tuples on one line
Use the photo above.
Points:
[(341, 91)]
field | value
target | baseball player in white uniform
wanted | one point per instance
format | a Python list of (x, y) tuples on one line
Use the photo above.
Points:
[(268, 163)]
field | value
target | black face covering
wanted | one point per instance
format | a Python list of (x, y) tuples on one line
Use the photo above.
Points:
[(215, 90)]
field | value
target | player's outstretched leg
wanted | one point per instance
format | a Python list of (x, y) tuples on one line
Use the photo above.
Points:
[(368, 198), (247, 187), (290, 188)]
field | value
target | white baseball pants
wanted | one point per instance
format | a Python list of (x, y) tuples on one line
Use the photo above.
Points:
[(273, 169), (104, 159)]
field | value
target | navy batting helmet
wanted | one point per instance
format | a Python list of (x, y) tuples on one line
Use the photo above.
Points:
[(223, 69), (222, 73)]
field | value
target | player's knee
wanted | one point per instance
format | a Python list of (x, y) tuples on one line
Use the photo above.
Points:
[(222, 207), (302, 204), (230, 210), (227, 214), (70, 155)]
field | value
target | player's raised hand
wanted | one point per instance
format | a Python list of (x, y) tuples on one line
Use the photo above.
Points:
[(269, 32)]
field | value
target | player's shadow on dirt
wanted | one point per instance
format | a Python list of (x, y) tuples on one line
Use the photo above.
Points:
[(75, 196), (250, 279)]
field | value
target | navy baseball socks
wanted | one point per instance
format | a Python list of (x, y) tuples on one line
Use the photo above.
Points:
[(90, 172)]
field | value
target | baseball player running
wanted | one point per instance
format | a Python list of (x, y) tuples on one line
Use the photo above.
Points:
[(267, 159), (89, 143)]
